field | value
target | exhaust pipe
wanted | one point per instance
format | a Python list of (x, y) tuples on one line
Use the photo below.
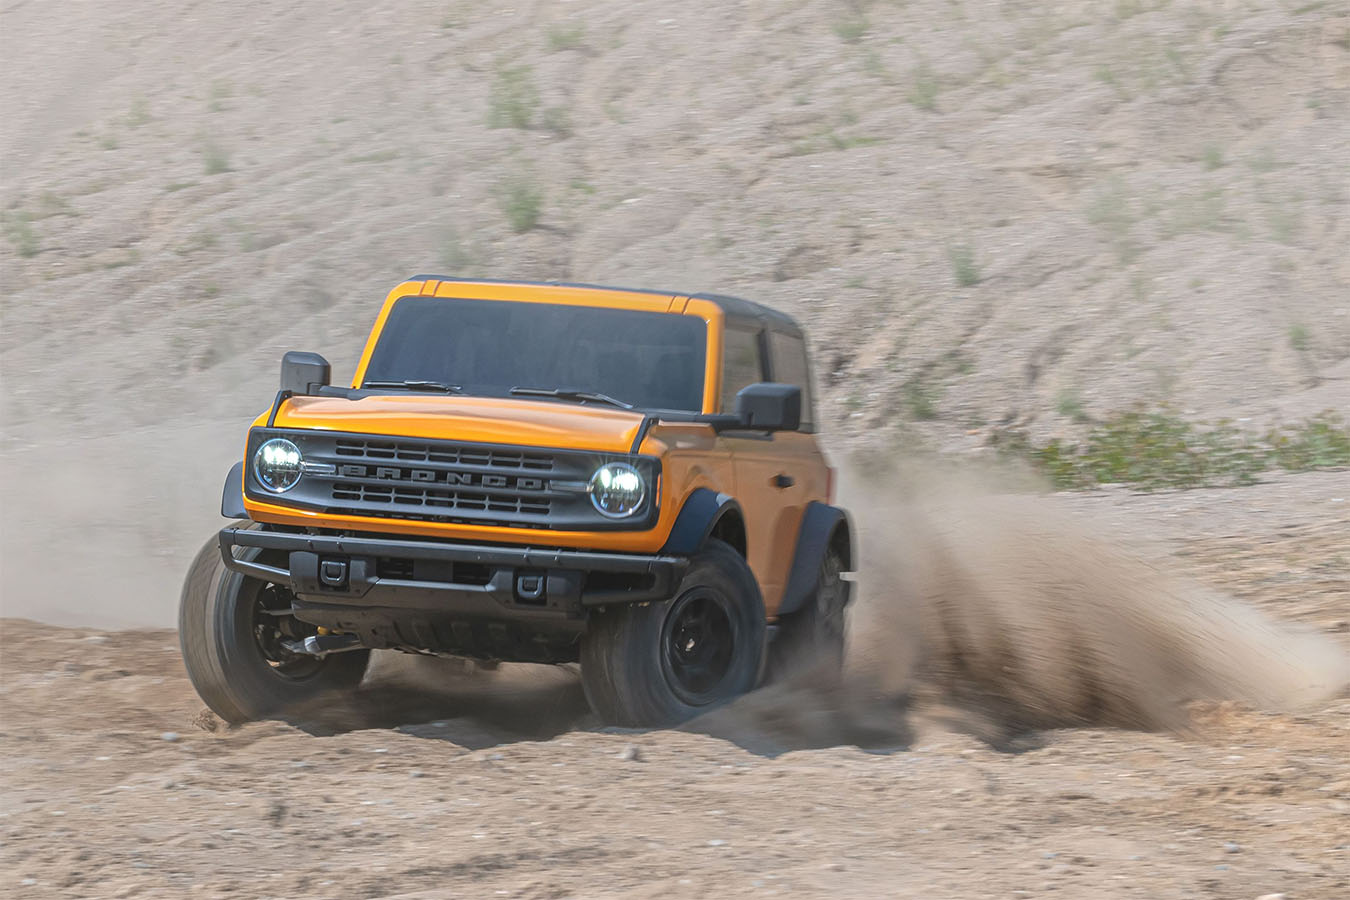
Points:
[(321, 645)]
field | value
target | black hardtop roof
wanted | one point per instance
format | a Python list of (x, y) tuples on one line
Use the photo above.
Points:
[(738, 311)]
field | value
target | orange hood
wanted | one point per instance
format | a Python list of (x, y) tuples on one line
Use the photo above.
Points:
[(487, 420)]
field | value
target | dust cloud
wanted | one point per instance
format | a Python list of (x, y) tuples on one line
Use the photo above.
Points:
[(1000, 614)]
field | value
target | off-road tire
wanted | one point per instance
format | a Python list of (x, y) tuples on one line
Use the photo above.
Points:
[(223, 658), (636, 664), (812, 638)]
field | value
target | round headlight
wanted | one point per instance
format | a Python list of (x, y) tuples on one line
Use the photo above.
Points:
[(617, 490), (277, 465)]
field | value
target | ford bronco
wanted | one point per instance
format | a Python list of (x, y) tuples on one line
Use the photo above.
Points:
[(525, 472)]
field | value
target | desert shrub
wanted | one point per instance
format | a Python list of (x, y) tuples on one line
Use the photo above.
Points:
[(1156, 449), (522, 201), (513, 98)]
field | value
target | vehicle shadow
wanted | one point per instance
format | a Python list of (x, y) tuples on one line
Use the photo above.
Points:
[(479, 708), (453, 700)]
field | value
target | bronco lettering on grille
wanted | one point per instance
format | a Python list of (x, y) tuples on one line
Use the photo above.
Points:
[(433, 476)]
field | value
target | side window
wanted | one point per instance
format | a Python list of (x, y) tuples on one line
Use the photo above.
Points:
[(790, 366), (741, 364)]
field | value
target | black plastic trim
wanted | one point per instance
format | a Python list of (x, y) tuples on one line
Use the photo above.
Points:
[(698, 517), (820, 524), (282, 396), (232, 497), (665, 570)]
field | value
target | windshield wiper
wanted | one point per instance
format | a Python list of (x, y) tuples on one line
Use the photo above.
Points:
[(565, 394), (414, 384)]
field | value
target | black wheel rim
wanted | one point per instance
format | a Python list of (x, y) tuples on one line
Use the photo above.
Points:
[(832, 597), (272, 626), (698, 646)]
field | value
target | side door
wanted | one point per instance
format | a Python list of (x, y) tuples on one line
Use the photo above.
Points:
[(773, 472)]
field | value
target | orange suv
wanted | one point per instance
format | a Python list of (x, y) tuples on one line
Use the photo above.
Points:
[(531, 472)]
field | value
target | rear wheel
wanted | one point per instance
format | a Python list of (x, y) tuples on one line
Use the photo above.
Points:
[(657, 664), (233, 630), (813, 636)]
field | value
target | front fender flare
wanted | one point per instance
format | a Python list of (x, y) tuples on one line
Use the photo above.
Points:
[(232, 497), (700, 514), (822, 525)]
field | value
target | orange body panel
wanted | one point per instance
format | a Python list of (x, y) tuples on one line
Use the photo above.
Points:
[(692, 455), (487, 420)]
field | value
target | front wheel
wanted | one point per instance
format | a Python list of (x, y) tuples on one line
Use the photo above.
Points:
[(233, 630), (658, 664)]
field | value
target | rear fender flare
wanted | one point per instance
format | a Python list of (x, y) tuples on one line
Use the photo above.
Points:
[(822, 526), (700, 514)]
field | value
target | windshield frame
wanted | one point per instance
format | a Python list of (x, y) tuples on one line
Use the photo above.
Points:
[(708, 314)]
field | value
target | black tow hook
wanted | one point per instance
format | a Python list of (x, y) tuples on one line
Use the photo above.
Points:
[(321, 645)]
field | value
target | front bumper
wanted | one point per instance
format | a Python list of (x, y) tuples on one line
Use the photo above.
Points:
[(485, 600)]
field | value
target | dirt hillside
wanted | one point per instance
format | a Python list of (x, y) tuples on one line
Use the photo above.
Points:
[(986, 213)]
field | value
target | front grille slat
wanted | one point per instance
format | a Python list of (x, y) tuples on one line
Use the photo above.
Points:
[(463, 455)]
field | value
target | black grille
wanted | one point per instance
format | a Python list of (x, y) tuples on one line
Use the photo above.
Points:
[(507, 501)]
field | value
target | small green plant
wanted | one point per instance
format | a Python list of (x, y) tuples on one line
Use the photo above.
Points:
[(1070, 405), (221, 90), (51, 204), (923, 89), (582, 185), (139, 114), (1264, 161), (1285, 221), (919, 399), (109, 142), (1322, 442), (215, 160), (513, 98), (521, 201), (175, 186), (202, 240), (964, 268), (1212, 157), (850, 31), (873, 66), (566, 37), (558, 120), (19, 231), (122, 260), (1299, 338), (1202, 212), (1128, 9)]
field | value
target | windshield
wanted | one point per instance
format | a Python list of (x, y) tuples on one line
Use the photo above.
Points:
[(486, 347)]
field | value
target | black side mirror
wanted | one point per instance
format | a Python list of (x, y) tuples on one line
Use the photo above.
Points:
[(304, 373), (770, 406)]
